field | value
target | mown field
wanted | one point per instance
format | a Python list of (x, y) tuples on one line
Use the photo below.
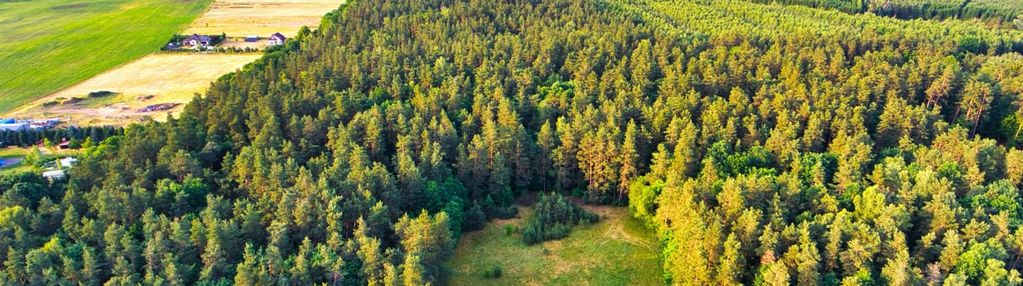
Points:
[(239, 18), (51, 44), (154, 79), (618, 250)]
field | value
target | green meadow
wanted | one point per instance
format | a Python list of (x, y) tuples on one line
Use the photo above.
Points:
[(617, 250), (49, 45)]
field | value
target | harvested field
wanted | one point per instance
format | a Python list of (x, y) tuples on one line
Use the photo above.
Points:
[(174, 78), (239, 18), (153, 80), (50, 45)]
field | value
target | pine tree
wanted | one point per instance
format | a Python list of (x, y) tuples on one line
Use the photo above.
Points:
[(630, 161)]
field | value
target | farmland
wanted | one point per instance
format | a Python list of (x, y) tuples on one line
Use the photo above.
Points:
[(166, 78), (239, 18), (52, 44), (617, 250), (154, 79)]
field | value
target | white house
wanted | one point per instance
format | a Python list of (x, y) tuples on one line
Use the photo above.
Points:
[(198, 42), (276, 40)]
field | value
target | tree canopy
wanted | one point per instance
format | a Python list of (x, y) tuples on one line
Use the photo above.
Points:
[(767, 144)]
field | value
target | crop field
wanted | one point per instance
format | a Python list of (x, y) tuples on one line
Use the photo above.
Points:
[(51, 44), (238, 18), (617, 250), (154, 79)]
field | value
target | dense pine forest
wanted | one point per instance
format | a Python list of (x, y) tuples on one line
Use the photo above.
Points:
[(766, 144), (998, 12)]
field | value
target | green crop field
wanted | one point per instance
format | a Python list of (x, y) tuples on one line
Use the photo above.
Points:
[(617, 250), (52, 44)]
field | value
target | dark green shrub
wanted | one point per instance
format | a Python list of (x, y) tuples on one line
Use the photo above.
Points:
[(101, 93), (553, 218), (510, 229), (493, 272)]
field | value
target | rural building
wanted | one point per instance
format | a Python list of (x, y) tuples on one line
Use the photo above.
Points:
[(13, 125), (252, 39), (198, 41), (276, 40), (68, 162), (53, 175)]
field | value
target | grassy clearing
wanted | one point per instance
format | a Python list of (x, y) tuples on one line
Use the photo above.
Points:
[(239, 18), (154, 79), (618, 250), (51, 44), (11, 160)]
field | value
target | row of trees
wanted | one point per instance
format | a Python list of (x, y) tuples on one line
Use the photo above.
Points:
[(30, 137)]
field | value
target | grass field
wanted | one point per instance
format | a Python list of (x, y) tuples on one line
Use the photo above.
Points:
[(618, 250), (11, 160), (154, 79), (239, 18), (51, 44)]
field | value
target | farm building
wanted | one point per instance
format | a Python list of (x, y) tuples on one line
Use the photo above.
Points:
[(68, 162), (19, 125), (53, 175), (198, 41), (276, 40), (12, 125), (252, 38)]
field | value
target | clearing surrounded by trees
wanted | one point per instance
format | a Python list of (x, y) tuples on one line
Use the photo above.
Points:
[(617, 250)]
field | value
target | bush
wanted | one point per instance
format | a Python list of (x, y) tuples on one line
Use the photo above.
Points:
[(493, 272), (101, 93), (510, 229), (553, 218)]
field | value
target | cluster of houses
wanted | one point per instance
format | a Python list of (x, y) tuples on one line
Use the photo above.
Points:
[(10, 124), (195, 42), (208, 42)]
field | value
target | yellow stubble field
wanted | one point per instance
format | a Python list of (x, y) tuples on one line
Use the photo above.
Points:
[(174, 78), (154, 79), (239, 18)]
